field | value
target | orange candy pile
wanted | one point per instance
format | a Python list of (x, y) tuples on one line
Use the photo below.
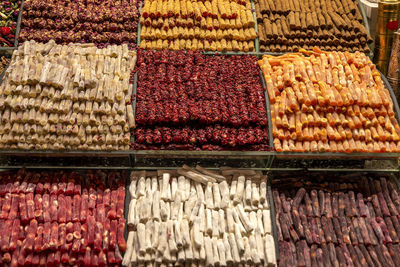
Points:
[(329, 102)]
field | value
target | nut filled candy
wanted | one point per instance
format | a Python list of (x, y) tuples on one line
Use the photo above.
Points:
[(329, 102), (223, 25), (67, 97)]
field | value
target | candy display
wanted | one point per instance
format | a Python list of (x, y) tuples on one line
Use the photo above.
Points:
[(199, 217), (9, 11), (216, 25), (286, 26), (329, 102), (189, 101), (67, 97), (340, 220), (100, 22), (54, 218), (175, 91)]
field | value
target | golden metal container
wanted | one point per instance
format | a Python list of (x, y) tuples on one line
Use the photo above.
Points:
[(387, 24), (394, 66)]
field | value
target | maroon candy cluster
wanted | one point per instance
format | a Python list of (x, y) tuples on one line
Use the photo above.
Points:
[(347, 222), (96, 21), (186, 100)]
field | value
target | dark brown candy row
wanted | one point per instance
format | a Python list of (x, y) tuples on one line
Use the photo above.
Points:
[(337, 222), (287, 25)]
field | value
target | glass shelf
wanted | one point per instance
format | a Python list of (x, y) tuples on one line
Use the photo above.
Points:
[(85, 162)]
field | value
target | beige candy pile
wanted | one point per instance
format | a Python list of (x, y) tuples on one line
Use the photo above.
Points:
[(67, 97)]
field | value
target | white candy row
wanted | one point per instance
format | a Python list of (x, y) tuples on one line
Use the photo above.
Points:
[(183, 219)]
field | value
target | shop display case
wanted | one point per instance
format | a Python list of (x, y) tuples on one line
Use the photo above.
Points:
[(276, 167)]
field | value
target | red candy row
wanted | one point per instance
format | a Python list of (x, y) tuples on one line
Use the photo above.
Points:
[(61, 218), (63, 209)]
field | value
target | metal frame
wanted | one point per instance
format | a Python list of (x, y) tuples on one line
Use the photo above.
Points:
[(126, 206), (66, 153), (274, 232), (139, 26), (314, 170), (80, 162), (253, 10), (203, 154), (19, 24), (268, 105)]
